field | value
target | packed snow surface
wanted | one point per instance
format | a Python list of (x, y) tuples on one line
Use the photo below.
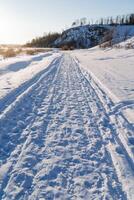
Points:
[(62, 136)]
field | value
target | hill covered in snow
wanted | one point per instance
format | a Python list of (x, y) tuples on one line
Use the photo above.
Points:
[(82, 36), (89, 36), (85, 36)]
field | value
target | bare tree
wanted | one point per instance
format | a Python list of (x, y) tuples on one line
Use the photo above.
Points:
[(73, 24), (83, 21)]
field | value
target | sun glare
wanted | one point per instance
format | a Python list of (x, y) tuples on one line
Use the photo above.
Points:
[(8, 27)]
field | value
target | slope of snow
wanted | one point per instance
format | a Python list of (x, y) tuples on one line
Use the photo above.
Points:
[(60, 135), (129, 43)]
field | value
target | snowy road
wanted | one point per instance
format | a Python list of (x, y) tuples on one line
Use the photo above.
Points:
[(62, 138)]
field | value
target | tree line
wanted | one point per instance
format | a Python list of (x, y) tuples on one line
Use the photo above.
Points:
[(45, 41), (118, 20), (48, 39)]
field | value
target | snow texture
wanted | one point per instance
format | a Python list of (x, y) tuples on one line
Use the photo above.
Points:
[(61, 135)]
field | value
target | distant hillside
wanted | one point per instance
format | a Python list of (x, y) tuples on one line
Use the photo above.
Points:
[(85, 36), (81, 37)]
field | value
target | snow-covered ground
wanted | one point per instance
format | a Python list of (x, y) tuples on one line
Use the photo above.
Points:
[(113, 67), (16, 71), (63, 134), (129, 43)]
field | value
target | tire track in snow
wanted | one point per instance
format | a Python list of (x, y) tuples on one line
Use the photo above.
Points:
[(19, 116), (64, 154), (94, 107), (8, 100), (123, 128), (76, 179), (116, 129), (114, 122)]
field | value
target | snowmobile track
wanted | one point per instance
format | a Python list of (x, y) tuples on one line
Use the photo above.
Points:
[(59, 141)]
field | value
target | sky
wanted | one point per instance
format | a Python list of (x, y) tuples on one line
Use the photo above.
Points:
[(22, 20)]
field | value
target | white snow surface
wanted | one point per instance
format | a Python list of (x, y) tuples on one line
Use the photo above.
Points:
[(128, 43), (15, 71), (113, 67), (64, 128)]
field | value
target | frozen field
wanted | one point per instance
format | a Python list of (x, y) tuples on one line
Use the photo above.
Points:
[(66, 126)]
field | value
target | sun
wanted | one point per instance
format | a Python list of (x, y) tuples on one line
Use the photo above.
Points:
[(8, 27), (5, 25)]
